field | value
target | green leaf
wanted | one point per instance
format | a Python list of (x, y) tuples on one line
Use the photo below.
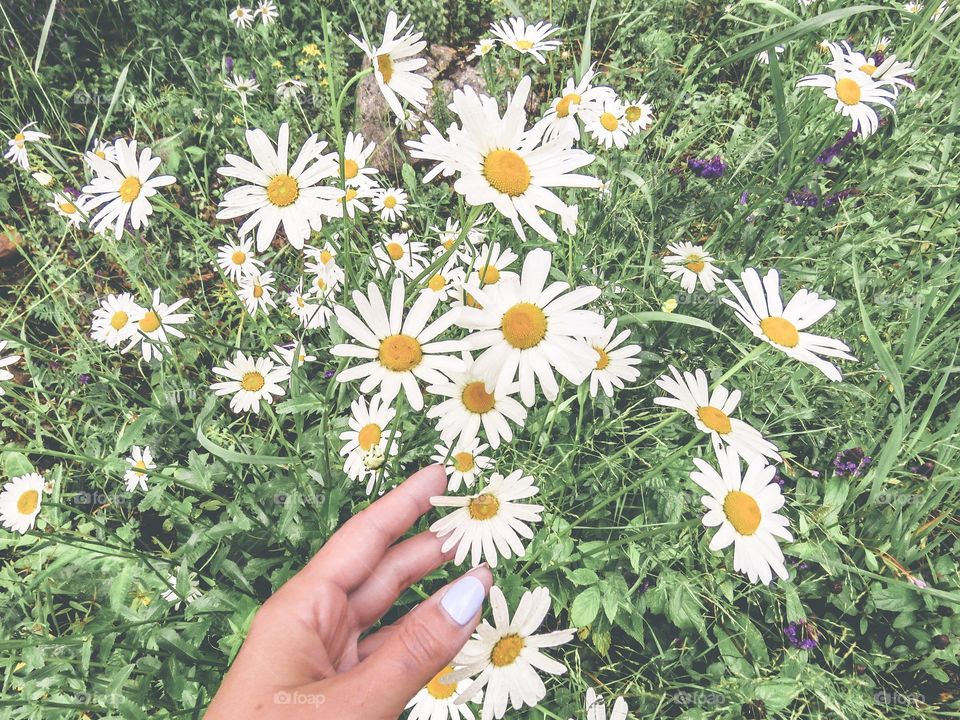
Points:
[(583, 576), (16, 464), (44, 34), (585, 607)]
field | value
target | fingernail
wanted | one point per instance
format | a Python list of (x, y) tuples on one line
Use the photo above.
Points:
[(462, 601)]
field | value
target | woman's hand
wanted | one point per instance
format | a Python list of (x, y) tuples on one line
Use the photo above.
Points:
[(303, 656)]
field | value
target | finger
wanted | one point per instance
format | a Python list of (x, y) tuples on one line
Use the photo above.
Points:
[(371, 643), (401, 566), (354, 551), (424, 643)]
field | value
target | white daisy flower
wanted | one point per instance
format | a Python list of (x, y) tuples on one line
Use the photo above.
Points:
[(690, 263), (507, 654), (489, 524), (171, 596), (290, 89), (597, 710), (113, 322), (638, 114), (236, 259), (890, 72), (306, 309), (20, 502), (449, 235), (267, 12), (712, 413), (355, 156), (471, 405), (615, 364), (351, 200), (437, 700), (369, 435), (391, 203), (767, 318), (745, 508), (500, 162), (140, 460), (490, 263), (607, 123), (463, 462), (153, 325), (398, 252), (526, 39), (394, 63), (324, 284), (446, 282), (318, 259), (854, 91), (104, 150), (483, 46), (250, 380), (561, 118), (122, 190), (398, 351), (256, 292), (532, 330), (241, 17), (17, 145), (244, 87), (277, 193), (69, 208), (286, 354), (4, 363)]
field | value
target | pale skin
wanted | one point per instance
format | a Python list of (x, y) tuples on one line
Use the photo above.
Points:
[(304, 656)]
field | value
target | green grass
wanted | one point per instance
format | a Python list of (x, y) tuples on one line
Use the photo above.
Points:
[(621, 547)]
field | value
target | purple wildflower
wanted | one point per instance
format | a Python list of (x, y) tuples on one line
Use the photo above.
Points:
[(851, 462), (802, 198), (84, 379), (836, 197), (834, 150), (801, 634), (707, 169), (744, 196), (228, 63), (329, 374)]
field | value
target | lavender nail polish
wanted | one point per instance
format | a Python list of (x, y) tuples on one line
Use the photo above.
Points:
[(463, 599)]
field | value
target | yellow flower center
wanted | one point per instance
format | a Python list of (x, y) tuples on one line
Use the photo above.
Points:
[(395, 250), (68, 208), (868, 68), (490, 275), (609, 121), (563, 107), (441, 690), (742, 511), (483, 507), (282, 190), (130, 189), (140, 465), (369, 436), (385, 66), (150, 322), (507, 650), (351, 194), (437, 283), (350, 169), (476, 399), (695, 263), (506, 171), (390, 202), (604, 359), (119, 320), (780, 331), (239, 257), (633, 113), (325, 256), (848, 91), (714, 418), (463, 461), (258, 291), (320, 283), (28, 502), (100, 154), (300, 302), (447, 244), (400, 353), (524, 325), (524, 45), (252, 381), (19, 138)]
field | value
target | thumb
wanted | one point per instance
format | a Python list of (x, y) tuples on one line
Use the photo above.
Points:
[(423, 643)]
